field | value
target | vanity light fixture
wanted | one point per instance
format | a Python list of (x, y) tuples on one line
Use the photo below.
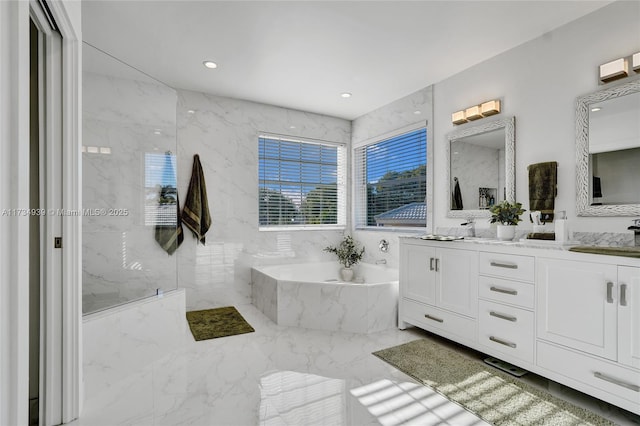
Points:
[(490, 108), (635, 62), (458, 117), (476, 112), (613, 70), (210, 64), (473, 113)]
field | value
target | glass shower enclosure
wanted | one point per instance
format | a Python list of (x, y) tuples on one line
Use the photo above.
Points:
[(129, 188)]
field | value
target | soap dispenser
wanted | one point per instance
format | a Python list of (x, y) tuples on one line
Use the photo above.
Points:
[(561, 231)]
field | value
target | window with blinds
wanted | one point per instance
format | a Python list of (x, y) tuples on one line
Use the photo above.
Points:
[(161, 193), (301, 183), (391, 181)]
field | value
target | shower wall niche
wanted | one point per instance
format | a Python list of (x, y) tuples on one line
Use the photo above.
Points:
[(129, 183)]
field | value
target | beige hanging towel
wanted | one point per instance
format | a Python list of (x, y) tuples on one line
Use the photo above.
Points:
[(195, 214), (543, 181)]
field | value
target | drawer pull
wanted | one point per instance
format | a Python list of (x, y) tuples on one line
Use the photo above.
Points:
[(601, 376), (502, 342), (431, 264), (503, 316), (504, 265), (609, 292), (623, 295), (504, 290), (433, 318)]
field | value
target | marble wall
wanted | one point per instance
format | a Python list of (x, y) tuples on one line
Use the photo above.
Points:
[(224, 132), (126, 115)]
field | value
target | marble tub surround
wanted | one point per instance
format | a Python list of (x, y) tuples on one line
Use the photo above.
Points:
[(294, 295)]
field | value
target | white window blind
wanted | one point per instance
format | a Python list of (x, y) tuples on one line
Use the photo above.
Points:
[(301, 183), (391, 181), (161, 193)]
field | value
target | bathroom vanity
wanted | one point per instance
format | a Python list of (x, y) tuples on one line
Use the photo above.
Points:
[(571, 317)]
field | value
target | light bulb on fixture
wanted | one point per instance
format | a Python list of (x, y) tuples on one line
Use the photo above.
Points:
[(345, 95), (210, 64)]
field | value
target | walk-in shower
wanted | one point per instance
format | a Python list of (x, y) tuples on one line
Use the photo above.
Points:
[(129, 183)]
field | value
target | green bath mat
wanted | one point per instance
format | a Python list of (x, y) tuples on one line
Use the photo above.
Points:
[(218, 322), (492, 395)]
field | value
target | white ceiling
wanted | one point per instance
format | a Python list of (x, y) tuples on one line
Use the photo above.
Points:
[(304, 54)]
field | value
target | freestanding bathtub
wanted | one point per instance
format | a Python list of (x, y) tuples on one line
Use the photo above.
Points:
[(311, 295)]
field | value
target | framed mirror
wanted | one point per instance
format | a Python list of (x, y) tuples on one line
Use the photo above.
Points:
[(480, 167), (608, 152)]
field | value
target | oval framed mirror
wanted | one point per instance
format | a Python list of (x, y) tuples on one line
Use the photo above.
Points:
[(480, 167), (608, 151)]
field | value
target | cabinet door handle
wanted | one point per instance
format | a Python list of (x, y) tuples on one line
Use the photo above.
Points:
[(503, 316), (601, 376), (434, 318), (504, 265), (609, 292), (623, 295), (431, 264), (437, 264), (504, 290), (502, 342)]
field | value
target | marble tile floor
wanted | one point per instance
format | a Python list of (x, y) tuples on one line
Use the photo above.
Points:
[(289, 376)]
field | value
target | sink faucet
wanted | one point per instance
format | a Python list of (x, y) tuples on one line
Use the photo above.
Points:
[(636, 230), (470, 225)]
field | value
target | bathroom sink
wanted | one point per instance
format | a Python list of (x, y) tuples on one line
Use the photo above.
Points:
[(627, 251)]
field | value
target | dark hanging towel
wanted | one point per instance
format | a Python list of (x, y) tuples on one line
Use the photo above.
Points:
[(195, 214), (543, 181), (168, 230), (456, 202)]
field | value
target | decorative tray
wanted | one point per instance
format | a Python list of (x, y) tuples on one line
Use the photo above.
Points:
[(440, 237)]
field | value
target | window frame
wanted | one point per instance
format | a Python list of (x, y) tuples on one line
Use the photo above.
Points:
[(429, 184), (342, 188)]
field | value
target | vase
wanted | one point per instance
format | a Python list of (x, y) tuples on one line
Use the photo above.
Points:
[(506, 232), (346, 274)]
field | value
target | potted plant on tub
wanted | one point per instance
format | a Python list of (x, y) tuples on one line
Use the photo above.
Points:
[(348, 255), (507, 215)]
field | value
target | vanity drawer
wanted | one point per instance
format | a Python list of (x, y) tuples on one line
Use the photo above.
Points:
[(430, 317), (595, 372), (508, 266), (506, 329), (507, 291)]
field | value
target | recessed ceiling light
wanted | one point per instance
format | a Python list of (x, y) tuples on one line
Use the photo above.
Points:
[(417, 112), (345, 95), (157, 132), (210, 64), (292, 127), (191, 111), (595, 109)]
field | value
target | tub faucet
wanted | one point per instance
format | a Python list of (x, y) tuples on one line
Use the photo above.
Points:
[(470, 226), (636, 230)]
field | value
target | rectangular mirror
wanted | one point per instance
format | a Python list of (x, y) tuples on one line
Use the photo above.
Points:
[(608, 151), (480, 167)]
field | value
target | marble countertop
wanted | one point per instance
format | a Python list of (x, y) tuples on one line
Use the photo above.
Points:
[(539, 244)]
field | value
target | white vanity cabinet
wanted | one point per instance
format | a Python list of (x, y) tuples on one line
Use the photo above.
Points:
[(439, 289), (571, 317), (588, 326), (629, 316), (505, 310)]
